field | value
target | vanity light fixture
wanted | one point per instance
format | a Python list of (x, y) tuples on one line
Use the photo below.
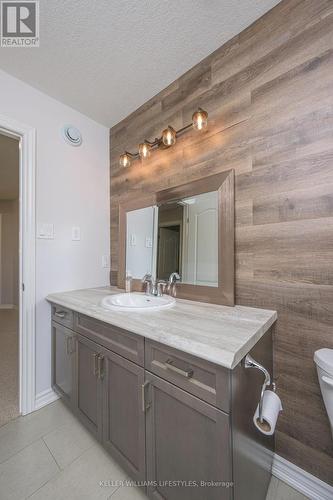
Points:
[(200, 119), (168, 139), (169, 136), (125, 159), (144, 150)]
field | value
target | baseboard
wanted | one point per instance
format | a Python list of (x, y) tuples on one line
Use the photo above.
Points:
[(45, 398), (300, 480)]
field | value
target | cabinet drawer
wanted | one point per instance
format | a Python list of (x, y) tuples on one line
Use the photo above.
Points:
[(62, 315), (127, 344), (207, 381)]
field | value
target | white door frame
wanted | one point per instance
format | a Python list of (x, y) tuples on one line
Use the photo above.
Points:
[(27, 260)]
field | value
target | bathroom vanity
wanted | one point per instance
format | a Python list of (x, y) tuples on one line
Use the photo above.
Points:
[(166, 392)]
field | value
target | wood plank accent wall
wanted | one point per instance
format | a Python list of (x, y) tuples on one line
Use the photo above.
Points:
[(270, 101)]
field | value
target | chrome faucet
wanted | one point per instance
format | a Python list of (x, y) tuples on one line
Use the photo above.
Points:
[(148, 281), (160, 287), (173, 278), (153, 287)]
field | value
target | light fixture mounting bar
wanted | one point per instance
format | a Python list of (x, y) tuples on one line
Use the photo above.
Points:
[(167, 139), (181, 130)]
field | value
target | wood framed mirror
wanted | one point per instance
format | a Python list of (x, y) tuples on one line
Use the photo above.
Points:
[(188, 229)]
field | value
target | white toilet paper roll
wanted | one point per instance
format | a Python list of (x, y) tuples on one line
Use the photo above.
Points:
[(271, 408)]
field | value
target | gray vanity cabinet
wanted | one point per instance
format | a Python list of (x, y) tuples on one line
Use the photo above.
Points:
[(187, 440), (63, 349), (166, 416), (88, 384), (123, 415)]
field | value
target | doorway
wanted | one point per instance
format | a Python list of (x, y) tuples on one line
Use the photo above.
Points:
[(25, 137), (168, 251), (170, 235), (9, 277)]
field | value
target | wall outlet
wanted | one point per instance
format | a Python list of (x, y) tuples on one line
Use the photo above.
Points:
[(45, 231), (105, 261), (76, 233)]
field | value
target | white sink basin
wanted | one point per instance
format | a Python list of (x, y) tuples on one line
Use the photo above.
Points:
[(137, 302)]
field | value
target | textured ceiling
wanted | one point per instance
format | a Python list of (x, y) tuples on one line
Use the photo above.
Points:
[(105, 57), (9, 168)]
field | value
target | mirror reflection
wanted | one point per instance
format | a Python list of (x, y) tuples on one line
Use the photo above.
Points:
[(140, 242), (177, 237), (188, 240)]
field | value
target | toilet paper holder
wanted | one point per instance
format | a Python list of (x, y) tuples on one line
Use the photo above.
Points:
[(249, 362)]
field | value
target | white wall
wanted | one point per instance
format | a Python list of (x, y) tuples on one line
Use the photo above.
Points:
[(72, 189)]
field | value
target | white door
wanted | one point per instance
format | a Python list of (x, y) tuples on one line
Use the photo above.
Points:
[(200, 266)]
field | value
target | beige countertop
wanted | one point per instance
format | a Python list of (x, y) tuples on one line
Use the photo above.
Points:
[(220, 334)]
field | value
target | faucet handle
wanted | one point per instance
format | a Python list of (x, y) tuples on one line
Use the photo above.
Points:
[(147, 277)]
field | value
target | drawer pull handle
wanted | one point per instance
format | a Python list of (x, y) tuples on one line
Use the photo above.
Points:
[(185, 373), (60, 314), (327, 380)]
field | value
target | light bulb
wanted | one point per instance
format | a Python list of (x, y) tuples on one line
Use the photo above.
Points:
[(144, 150), (200, 119), (124, 160), (169, 136)]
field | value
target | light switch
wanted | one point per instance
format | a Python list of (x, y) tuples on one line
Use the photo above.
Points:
[(132, 240), (149, 242), (76, 233), (45, 231)]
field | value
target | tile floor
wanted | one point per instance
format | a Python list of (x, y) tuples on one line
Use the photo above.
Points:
[(48, 455), (9, 404)]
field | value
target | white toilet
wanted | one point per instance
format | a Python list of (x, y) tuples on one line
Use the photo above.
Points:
[(324, 361)]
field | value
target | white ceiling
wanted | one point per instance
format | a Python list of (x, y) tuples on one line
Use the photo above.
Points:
[(106, 57), (9, 168)]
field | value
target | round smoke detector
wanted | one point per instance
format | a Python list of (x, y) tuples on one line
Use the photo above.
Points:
[(72, 135)]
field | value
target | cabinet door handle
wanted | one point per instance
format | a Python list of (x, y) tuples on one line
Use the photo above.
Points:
[(60, 314), (100, 362), (68, 349), (143, 396), (188, 373), (72, 343), (95, 363)]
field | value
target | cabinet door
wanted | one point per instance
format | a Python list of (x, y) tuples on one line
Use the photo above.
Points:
[(123, 413), (187, 441), (88, 385), (63, 347)]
